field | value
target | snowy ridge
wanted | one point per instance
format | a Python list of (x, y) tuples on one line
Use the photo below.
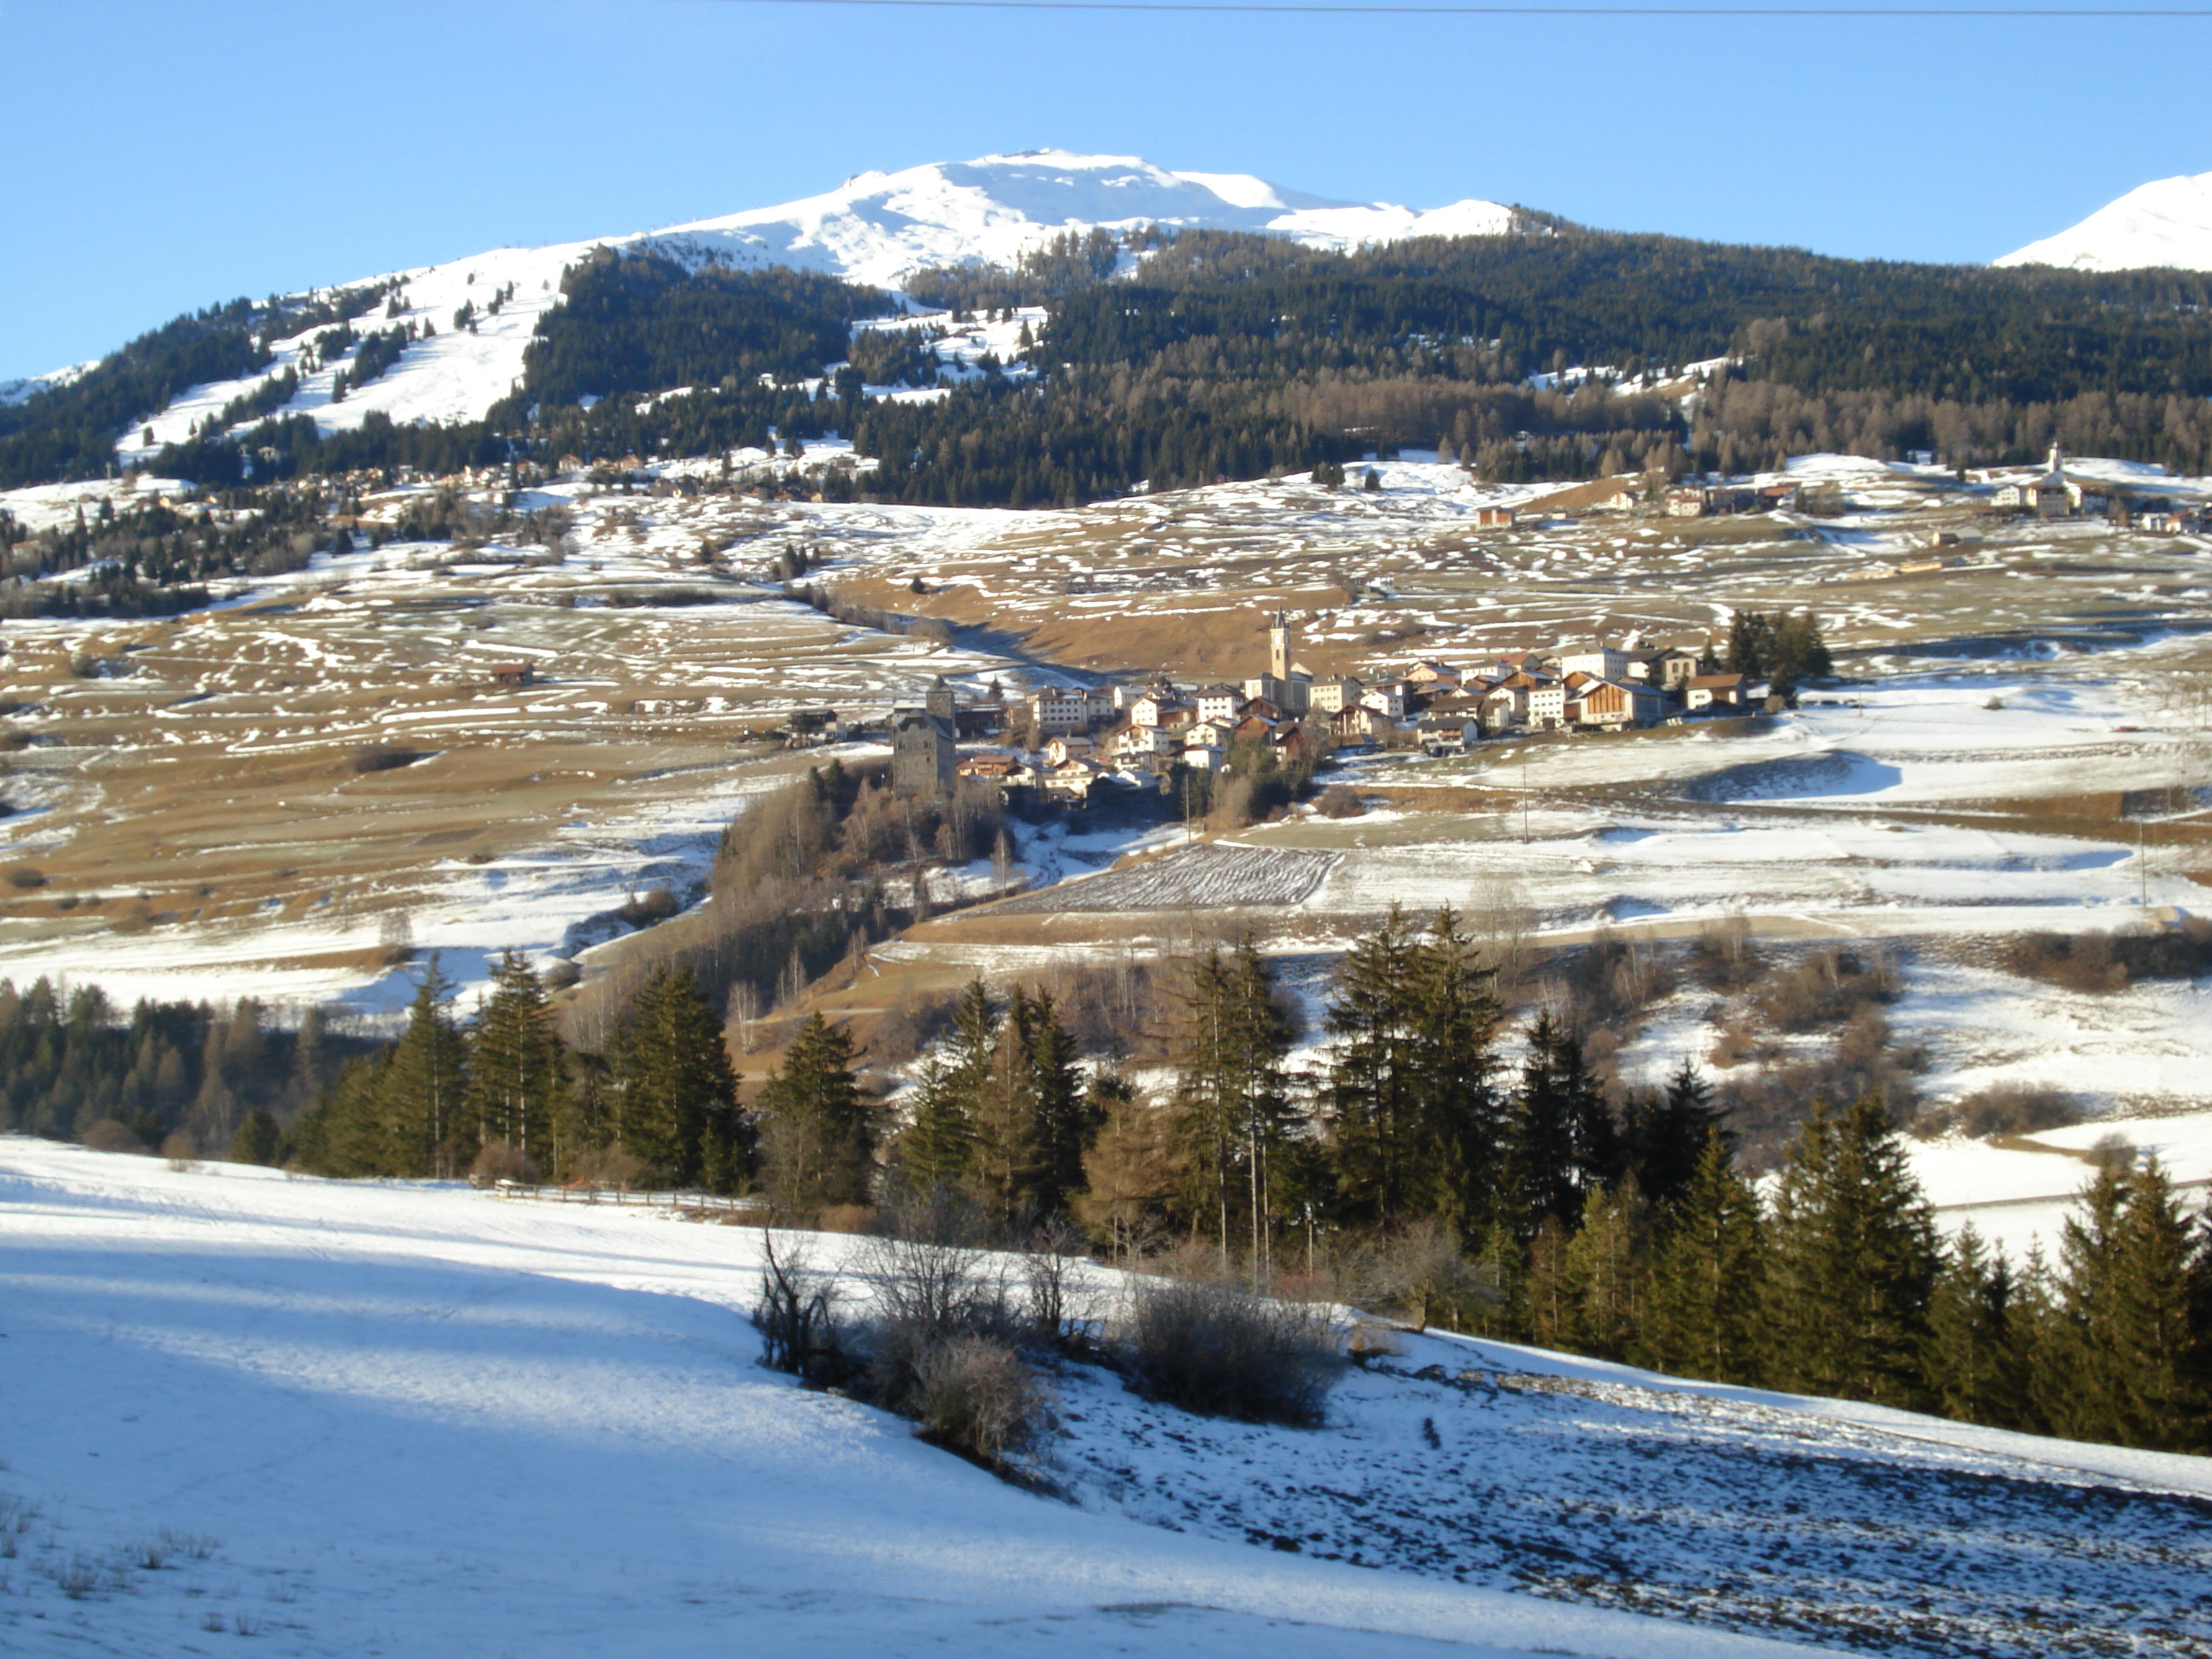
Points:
[(2166, 222), (876, 229), (15, 391)]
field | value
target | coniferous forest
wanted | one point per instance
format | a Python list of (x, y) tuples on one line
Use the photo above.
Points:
[(1233, 355)]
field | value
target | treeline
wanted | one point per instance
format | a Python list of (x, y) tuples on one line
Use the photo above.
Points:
[(500, 1096), (1841, 1286), (639, 323), (69, 431), (190, 1078), (154, 558), (1411, 1168)]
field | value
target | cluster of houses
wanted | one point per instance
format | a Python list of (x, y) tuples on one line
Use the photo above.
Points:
[(1077, 737), (2050, 494)]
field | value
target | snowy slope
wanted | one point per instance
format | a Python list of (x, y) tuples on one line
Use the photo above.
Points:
[(386, 1419), (392, 1418), (876, 229), (2167, 222)]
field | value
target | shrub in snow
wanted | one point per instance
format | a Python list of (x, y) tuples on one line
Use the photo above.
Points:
[(935, 1283), (500, 1162), (2011, 1108), (976, 1395), (110, 1135), (797, 1318), (1223, 1352)]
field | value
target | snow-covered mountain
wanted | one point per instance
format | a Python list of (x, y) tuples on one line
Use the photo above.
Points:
[(2168, 222), (876, 228)]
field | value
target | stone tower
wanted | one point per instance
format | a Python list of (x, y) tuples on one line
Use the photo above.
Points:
[(1279, 646), (939, 701)]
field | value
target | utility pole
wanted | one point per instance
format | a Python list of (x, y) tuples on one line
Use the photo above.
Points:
[(2142, 871), (1524, 795)]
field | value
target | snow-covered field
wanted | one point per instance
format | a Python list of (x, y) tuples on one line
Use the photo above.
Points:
[(406, 1420)]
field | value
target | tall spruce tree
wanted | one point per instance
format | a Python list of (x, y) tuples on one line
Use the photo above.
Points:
[(1977, 1365), (419, 1121), (1459, 1114), (1232, 1104), (1564, 1145), (1701, 1318), (675, 1094), (937, 1149), (2127, 1359), (1664, 1134), (1374, 1075), (1852, 1262), (514, 1071), (815, 1141), (1606, 1271)]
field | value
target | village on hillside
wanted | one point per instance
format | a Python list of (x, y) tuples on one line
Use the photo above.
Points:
[(1062, 741)]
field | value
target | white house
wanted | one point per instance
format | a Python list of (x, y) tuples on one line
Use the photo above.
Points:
[(1220, 702), (1713, 691), (1335, 692), (1388, 700), (1602, 662), (1058, 709)]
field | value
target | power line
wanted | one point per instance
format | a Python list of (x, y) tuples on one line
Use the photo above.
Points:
[(1264, 8)]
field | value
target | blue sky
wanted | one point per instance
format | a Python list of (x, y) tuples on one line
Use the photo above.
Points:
[(160, 157)]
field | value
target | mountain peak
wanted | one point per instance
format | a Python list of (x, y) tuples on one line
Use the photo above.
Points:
[(877, 227), (2166, 223)]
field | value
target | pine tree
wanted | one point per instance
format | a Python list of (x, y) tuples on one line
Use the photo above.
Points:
[(937, 1147), (2078, 1388), (259, 1139), (1459, 1116), (1664, 1137), (421, 1125), (514, 1062), (1852, 1262), (2128, 1359), (816, 1147), (1606, 1272), (1701, 1318), (1975, 1365), (1564, 1144), (1231, 1106), (674, 1092), (1372, 1075)]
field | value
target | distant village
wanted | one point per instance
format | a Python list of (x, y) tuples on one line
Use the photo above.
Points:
[(1061, 742)]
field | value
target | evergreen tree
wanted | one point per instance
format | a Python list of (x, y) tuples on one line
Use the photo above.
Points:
[(420, 1129), (1231, 1106), (1853, 1259), (1565, 1146), (1702, 1316), (1460, 1118), (2129, 1361), (1374, 1075), (259, 1139), (674, 1092), (1606, 1272), (1665, 1133), (937, 1147), (514, 1071), (815, 1143), (1977, 1365)]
